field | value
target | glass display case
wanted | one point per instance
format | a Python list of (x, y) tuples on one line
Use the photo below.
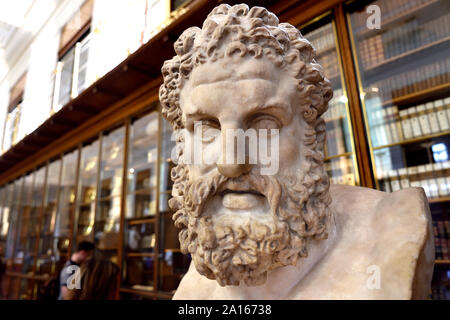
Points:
[(404, 77), (107, 222), (66, 204), (340, 161), (404, 82), (87, 192), (172, 263), (5, 215), (142, 157), (26, 228), (141, 206), (47, 252), (15, 189)]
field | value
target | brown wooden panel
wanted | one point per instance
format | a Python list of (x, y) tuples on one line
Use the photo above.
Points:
[(351, 84)]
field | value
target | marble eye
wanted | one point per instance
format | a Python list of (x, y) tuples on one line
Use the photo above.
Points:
[(265, 122), (210, 130)]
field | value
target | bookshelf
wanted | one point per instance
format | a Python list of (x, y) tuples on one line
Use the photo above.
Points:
[(402, 13), (339, 149), (415, 140), (440, 261), (403, 70)]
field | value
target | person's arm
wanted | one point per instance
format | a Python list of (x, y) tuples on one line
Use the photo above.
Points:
[(63, 284), (65, 293)]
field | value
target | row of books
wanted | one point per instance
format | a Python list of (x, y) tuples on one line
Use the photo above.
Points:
[(330, 64), (440, 293), (389, 125), (404, 38), (441, 231), (340, 171), (322, 38), (425, 119), (348, 179), (417, 79), (434, 178), (389, 10)]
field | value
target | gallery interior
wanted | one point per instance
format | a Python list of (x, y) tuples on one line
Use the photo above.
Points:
[(86, 154)]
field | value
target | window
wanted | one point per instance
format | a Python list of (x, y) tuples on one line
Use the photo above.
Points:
[(70, 75), (14, 111)]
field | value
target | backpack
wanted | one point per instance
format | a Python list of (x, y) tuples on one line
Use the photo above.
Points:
[(50, 289)]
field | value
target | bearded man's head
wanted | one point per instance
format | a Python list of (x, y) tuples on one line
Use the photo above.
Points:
[(245, 70)]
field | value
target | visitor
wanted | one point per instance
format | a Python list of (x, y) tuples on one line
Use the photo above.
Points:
[(83, 252)]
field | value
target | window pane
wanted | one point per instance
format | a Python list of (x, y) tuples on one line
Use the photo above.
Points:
[(141, 191), (66, 77), (87, 192), (108, 215), (172, 263), (22, 259), (14, 190), (66, 199), (82, 68), (47, 247), (339, 144), (404, 69)]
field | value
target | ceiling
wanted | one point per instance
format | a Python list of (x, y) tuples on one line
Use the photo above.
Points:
[(12, 17)]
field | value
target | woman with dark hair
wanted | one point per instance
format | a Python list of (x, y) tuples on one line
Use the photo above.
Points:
[(98, 280)]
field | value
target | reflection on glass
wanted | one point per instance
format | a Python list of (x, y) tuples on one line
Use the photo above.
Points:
[(26, 290), (87, 192), (143, 153), (26, 228), (338, 148), (82, 68), (66, 77), (47, 246), (167, 150), (139, 273), (404, 71), (66, 206), (172, 263), (15, 190), (108, 215), (3, 214)]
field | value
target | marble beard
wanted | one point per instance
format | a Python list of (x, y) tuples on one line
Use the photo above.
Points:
[(300, 202)]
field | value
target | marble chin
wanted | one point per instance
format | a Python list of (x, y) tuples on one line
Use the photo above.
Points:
[(239, 229)]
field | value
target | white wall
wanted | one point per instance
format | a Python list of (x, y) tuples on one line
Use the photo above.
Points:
[(117, 27)]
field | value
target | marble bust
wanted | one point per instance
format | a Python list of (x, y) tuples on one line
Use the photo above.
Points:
[(288, 234)]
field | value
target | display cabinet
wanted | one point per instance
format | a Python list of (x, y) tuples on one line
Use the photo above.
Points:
[(141, 203), (340, 160), (87, 192), (107, 221), (26, 233), (47, 252), (172, 263), (403, 69), (66, 204)]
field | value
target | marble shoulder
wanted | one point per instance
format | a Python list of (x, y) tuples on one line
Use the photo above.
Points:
[(397, 227)]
